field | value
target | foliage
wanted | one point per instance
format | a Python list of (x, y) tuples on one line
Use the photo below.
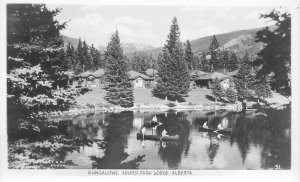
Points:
[(141, 62), (37, 80), (149, 85), (173, 73), (263, 90), (233, 62), (217, 89), (230, 93), (275, 57), (189, 56), (244, 79), (171, 104), (213, 52), (119, 88)]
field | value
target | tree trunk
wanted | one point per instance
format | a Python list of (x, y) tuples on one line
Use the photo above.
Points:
[(244, 105)]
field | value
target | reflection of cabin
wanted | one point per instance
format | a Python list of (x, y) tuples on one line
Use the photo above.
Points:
[(206, 80), (89, 78), (139, 80)]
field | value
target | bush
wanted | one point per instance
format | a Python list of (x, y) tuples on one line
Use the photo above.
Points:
[(171, 104), (149, 85), (230, 95), (90, 106)]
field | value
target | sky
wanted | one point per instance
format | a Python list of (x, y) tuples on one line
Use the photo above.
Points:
[(151, 24)]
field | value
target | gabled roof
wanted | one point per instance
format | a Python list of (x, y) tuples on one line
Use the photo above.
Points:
[(149, 72), (97, 73), (134, 75)]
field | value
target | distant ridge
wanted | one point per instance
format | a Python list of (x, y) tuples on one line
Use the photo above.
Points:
[(239, 41), (127, 47)]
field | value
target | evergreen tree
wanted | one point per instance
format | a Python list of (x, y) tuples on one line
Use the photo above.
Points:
[(225, 60), (37, 81), (244, 79), (189, 56), (87, 61), (262, 90), (231, 93), (119, 90), (275, 57), (173, 81), (70, 57), (216, 89), (79, 58), (140, 62), (233, 62), (213, 52), (96, 58)]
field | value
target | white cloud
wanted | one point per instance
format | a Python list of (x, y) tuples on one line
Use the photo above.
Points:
[(97, 30)]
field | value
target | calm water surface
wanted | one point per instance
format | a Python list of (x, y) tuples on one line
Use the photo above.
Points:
[(256, 142)]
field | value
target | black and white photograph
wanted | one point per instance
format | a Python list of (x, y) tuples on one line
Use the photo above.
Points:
[(138, 87)]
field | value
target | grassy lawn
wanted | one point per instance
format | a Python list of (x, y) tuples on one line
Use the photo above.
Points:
[(143, 96)]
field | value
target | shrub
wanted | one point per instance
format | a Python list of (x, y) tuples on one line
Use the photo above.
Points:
[(231, 95), (171, 104), (149, 85)]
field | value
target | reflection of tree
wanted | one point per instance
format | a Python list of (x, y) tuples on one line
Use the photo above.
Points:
[(212, 149), (174, 124), (119, 125), (277, 144), (241, 136), (272, 133)]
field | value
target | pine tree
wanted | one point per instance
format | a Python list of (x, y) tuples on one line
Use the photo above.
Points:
[(233, 62), (173, 81), (216, 89), (275, 57), (79, 59), (87, 61), (231, 93), (262, 90), (189, 56), (37, 81), (213, 52), (70, 57), (140, 62), (119, 90), (96, 60), (225, 60), (244, 79)]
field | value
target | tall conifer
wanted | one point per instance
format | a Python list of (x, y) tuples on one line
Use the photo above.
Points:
[(189, 56), (119, 90), (173, 81)]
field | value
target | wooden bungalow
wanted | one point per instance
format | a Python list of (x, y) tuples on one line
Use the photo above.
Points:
[(206, 80), (139, 80), (89, 78)]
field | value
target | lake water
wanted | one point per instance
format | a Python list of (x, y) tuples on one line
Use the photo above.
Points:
[(256, 142)]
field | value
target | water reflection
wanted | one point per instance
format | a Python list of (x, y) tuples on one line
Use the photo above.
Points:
[(255, 142), (117, 130)]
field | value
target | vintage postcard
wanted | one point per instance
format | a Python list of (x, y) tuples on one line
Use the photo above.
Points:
[(116, 89)]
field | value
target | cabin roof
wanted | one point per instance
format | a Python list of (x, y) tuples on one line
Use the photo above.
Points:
[(97, 73), (134, 75)]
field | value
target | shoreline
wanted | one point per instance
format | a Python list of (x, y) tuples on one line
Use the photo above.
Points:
[(88, 108)]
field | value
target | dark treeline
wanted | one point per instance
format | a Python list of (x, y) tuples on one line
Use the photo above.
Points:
[(83, 58)]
